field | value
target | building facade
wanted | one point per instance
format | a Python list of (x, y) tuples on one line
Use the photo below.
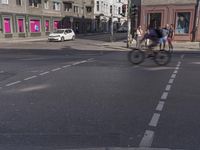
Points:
[(28, 18), (181, 13), (106, 11)]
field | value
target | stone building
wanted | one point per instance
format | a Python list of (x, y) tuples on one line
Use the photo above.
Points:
[(183, 14), (27, 18), (104, 10)]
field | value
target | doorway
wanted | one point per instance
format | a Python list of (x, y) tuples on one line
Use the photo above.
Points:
[(154, 19)]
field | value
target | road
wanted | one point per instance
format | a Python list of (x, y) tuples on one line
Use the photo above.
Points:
[(62, 98)]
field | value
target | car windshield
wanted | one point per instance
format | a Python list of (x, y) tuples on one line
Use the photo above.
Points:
[(58, 31)]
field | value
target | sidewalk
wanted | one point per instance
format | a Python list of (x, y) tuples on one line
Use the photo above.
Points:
[(178, 46)]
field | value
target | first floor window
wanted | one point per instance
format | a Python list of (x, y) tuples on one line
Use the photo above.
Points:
[(3, 1), (182, 22), (18, 2), (76, 9), (20, 23), (56, 6), (7, 25), (46, 4), (35, 25)]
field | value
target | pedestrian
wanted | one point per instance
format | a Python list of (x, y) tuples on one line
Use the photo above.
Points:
[(165, 33), (139, 36), (170, 38)]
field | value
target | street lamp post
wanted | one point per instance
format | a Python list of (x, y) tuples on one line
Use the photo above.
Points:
[(111, 26), (129, 24)]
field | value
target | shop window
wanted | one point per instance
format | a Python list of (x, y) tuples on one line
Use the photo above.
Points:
[(55, 25), (35, 25), (47, 25), (20, 23), (182, 22), (7, 25)]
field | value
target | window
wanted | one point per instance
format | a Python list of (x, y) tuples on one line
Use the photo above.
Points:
[(68, 7), (34, 3), (97, 5), (20, 24), (76, 9), (3, 1), (46, 25), (111, 9), (56, 6), (35, 25), (89, 9), (18, 2), (182, 22), (55, 25), (119, 10), (46, 4), (7, 25)]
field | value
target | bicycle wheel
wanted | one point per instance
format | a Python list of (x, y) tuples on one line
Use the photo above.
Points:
[(162, 57), (136, 56)]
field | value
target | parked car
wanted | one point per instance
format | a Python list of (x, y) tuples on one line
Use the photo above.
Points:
[(62, 35), (123, 29)]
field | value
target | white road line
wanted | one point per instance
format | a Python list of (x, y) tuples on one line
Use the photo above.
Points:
[(154, 120), (168, 87), (41, 74), (173, 76), (29, 78), (147, 139), (177, 68), (182, 56), (160, 106), (56, 69), (90, 59), (66, 66), (175, 72), (13, 83), (164, 95), (171, 81)]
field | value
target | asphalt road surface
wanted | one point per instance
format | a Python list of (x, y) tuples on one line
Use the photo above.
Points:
[(68, 98)]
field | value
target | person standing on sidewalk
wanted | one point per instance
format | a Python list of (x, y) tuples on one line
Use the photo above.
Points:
[(165, 34), (170, 38), (139, 36)]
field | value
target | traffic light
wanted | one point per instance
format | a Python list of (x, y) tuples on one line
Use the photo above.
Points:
[(134, 10)]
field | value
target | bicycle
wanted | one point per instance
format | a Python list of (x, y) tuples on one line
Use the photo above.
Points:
[(137, 56)]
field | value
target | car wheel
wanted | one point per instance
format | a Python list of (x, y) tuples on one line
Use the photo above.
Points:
[(62, 39), (73, 38)]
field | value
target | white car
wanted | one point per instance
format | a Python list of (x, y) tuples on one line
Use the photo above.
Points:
[(62, 35)]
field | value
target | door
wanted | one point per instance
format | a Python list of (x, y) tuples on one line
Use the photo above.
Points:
[(154, 19)]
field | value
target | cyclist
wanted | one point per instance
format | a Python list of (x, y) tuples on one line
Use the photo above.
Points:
[(153, 34)]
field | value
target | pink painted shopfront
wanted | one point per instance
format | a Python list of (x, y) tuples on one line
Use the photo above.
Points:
[(35, 25), (7, 25), (20, 23), (55, 25)]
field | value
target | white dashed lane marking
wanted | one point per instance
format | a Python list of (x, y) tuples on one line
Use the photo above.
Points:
[(29, 78), (164, 95), (56, 69), (160, 106), (13, 83), (44, 73), (173, 76), (66, 66), (154, 120), (168, 87), (147, 139), (175, 72), (171, 81)]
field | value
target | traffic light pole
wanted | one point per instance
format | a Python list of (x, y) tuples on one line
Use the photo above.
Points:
[(129, 38)]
